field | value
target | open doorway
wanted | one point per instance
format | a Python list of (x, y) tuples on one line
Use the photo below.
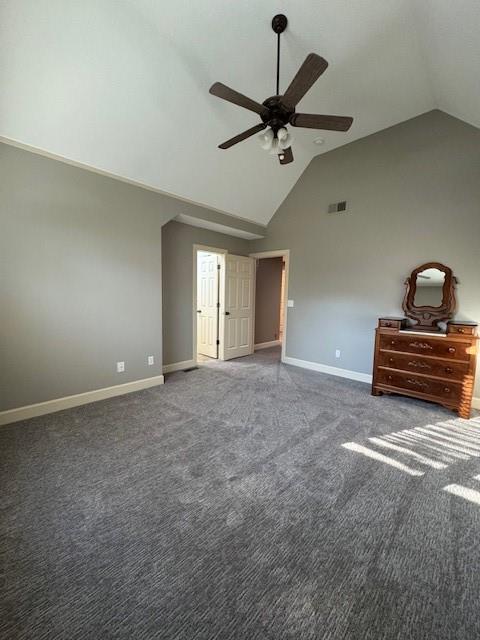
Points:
[(208, 304), (223, 304), (271, 292)]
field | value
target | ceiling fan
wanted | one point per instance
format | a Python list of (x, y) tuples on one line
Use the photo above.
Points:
[(278, 111)]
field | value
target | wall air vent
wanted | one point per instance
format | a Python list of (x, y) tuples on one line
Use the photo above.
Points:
[(337, 207)]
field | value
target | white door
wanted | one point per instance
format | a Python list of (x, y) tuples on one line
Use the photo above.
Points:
[(207, 304), (236, 324)]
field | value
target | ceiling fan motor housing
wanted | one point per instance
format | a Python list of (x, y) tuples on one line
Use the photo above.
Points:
[(278, 115)]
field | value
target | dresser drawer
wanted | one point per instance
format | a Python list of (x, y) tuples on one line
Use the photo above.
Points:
[(410, 382), (462, 329), (392, 323), (417, 364), (441, 347)]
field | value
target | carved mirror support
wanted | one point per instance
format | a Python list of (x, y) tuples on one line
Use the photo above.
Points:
[(430, 296)]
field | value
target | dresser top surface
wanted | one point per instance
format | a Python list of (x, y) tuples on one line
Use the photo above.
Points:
[(467, 323), (437, 334)]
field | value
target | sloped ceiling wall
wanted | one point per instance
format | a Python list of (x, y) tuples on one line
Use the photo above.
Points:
[(122, 85)]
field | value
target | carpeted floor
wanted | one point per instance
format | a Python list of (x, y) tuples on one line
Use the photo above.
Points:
[(224, 506)]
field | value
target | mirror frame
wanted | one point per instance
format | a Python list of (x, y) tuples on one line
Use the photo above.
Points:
[(426, 317)]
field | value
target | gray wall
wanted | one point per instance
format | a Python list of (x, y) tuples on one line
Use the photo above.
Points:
[(177, 249), (268, 291), (80, 278), (413, 195), (80, 283)]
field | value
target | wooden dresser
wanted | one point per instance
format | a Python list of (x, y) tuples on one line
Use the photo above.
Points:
[(439, 367)]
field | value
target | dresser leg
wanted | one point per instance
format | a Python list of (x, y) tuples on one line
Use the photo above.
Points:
[(376, 392), (464, 412)]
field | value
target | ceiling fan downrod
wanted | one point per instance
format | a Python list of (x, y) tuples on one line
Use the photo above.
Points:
[(276, 139), (279, 24)]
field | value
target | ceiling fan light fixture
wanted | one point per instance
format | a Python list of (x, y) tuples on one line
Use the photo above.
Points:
[(266, 139), (285, 141), (275, 148)]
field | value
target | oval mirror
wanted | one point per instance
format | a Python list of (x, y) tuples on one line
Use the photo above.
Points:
[(429, 288)]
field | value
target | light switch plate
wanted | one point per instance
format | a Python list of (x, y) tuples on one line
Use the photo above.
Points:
[(120, 367), (150, 360)]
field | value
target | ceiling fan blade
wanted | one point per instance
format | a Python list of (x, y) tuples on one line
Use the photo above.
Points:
[(287, 156), (222, 91), (314, 121), (307, 75), (242, 136)]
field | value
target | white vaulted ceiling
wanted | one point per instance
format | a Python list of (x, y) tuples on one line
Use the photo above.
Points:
[(122, 85)]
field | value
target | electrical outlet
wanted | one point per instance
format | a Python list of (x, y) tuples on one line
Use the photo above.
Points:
[(120, 367), (150, 360), (337, 353), (290, 303)]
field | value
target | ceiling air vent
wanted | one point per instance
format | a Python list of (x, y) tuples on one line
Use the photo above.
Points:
[(337, 207)]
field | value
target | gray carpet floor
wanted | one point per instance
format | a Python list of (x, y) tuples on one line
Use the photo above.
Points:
[(223, 505)]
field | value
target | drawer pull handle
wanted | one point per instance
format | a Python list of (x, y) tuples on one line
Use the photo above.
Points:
[(392, 342), (446, 390), (417, 383), (448, 370), (391, 360), (451, 349), (419, 365), (388, 324), (461, 330), (421, 345)]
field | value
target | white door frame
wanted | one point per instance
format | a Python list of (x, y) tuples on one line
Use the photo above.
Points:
[(285, 253), (221, 253)]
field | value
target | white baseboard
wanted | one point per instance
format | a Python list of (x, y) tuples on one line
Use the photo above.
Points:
[(325, 368), (476, 403), (58, 404), (266, 345), (179, 366)]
